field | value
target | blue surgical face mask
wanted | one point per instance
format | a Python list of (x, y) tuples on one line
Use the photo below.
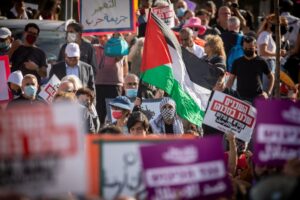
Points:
[(131, 93), (180, 12), (4, 45), (30, 90)]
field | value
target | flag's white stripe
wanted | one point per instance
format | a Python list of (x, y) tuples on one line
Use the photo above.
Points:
[(197, 92)]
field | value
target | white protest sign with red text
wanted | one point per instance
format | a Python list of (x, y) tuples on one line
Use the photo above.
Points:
[(166, 14), (50, 89), (42, 147), (4, 73), (227, 113)]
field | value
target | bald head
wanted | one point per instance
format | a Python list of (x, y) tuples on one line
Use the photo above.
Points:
[(66, 86)]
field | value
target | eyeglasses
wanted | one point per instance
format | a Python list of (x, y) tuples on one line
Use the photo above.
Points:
[(132, 84)]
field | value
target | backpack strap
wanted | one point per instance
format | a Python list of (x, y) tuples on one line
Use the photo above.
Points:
[(239, 39)]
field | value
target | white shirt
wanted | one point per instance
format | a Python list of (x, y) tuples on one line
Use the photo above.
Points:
[(72, 70), (293, 22), (266, 38), (197, 50)]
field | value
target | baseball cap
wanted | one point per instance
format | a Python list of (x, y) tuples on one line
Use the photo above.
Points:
[(4, 32), (72, 50), (16, 77), (121, 102)]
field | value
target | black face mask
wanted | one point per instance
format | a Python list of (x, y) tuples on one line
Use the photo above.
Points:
[(283, 29), (249, 52)]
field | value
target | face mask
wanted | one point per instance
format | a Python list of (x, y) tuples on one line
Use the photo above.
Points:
[(168, 114), (283, 30), (31, 38), (131, 93), (180, 12), (4, 45), (30, 90), (71, 37), (195, 33), (249, 53), (117, 114)]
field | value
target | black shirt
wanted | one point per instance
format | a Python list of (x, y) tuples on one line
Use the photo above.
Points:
[(169, 128), (24, 54), (249, 75)]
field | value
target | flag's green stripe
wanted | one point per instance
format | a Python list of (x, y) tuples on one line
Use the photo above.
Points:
[(162, 77)]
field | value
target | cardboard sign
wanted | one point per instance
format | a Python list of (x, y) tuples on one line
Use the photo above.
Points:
[(227, 113), (50, 89), (150, 107), (4, 73), (41, 147), (277, 133), (107, 16), (166, 14), (115, 165), (181, 169)]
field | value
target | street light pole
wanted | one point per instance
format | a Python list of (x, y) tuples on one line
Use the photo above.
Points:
[(278, 48)]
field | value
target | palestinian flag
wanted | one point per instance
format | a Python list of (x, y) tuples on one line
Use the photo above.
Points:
[(164, 67)]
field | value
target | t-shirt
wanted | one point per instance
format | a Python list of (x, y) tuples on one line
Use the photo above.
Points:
[(24, 54), (249, 75), (266, 38)]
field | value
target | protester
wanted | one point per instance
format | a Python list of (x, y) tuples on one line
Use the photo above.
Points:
[(85, 97), (135, 56), (66, 86), (224, 13), (121, 109), (14, 83), (74, 80), (167, 122), (248, 71), (266, 46), (7, 43), (29, 58), (73, 66), (205, 17), (87, 52), (110, 78), (215, 53), (29, 92), (18, 11), (138, 124)]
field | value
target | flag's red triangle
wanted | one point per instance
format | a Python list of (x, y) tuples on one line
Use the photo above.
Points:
[(156, 52)]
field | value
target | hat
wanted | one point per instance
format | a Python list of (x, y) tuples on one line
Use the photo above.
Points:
[(121, 102), (4, 32), (195, 22), (16, 77), (167, 100), (72, 50)]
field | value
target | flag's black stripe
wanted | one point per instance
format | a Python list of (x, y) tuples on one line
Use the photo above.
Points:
[(200, 72), (168, 33)]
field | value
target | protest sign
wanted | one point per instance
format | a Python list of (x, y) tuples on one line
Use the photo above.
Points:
[(277, 133), (193, 169), (4, 73), (50, 89), (41, 151), (115, 165), (166, 14), (191, 5), (107, 16), (227, 113), (150, 107)]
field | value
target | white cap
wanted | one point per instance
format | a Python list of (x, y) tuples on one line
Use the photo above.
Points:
[(16, 77), (4, 32), (72, 50)]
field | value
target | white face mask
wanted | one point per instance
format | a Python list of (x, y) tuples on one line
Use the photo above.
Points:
[(195, 33), (71, 37)]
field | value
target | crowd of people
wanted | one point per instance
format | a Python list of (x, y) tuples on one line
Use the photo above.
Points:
[(89, 76)]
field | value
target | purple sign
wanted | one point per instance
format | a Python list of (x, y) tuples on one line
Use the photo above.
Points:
[(277, 135), (191, 5), (185, 169)]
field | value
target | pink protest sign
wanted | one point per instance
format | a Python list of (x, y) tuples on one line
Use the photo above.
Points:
[(277, 134), (185, 169)]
